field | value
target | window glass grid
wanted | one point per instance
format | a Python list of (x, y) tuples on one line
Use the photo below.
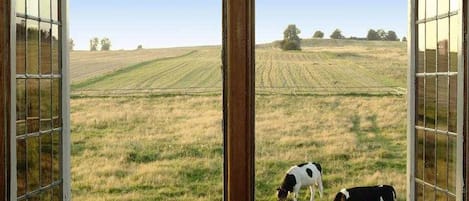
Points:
[(39, 126)]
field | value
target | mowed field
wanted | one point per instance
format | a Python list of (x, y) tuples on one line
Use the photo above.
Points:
[(152, 130)]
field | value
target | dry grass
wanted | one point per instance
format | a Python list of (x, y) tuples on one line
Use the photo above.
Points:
[(170, 148)]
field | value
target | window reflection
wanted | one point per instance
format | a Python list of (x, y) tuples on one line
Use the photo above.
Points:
[(441, 196), (454, 35), (46, 59), (45, 9), (20, 45), (55, 49), (443, 44), (442, 104), (32, 97), (430, 47), (55, 10), (430, 165), (56, 152), (421, 9), (430, 102), (46, 104), (421, 49), (21, 166), (32, 7), (441, 161), (46, 159), (21, 99), (420, 101), (429, 193), (443, 7), (419, 192), (32, 47), (453, 93), (21, 6), (454, 5), (419, 147), (452, 164), (431, 8), (33, 162)]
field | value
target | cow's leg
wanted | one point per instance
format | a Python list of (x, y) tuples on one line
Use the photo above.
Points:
[(311, 188)]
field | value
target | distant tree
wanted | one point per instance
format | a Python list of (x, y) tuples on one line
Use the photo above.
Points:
[(372, 35), (139, 47), (337, 34), (391, 36), (105, 44), (382, 34), (404, 39), (94, 42), (71, 44), (291, 40), (318, 34)]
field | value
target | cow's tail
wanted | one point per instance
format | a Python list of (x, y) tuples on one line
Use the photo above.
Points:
[(394, 194)]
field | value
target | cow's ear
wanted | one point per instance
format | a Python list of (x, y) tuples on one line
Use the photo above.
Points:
[(343, 198)]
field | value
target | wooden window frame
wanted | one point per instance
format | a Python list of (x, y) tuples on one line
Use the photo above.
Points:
[(4, 97)]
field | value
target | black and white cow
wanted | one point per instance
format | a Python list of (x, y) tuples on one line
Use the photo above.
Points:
[(306, 174), (368, 193)]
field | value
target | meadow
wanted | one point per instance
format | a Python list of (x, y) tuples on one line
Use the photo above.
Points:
[(151, 130)]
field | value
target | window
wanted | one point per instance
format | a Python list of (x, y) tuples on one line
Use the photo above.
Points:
[(437, 30), (39, 153)]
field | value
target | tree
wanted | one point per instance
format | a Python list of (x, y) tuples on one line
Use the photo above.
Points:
[(94, 42), (404, 39), (381, 34), (318, 34), (372, 35), (391, 36), (337, 34), (291, 41), (71, 44), (139, 47), (105, 44)]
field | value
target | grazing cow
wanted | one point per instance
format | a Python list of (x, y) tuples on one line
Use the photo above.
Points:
[(306, 174), (367, 193)]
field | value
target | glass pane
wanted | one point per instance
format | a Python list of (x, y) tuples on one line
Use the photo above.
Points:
[(430, 165), (431, 46), (32, 47), (47, 195), (431, 8), (421, 9), (454, 35), (21, 128), (20, 99), (55, 50), (55, 10), (421, 50), (35, 198), (33, 163), (420, 101), (442, 111), (443, 39), (454, 5), (419, 147), (441, 161), (441, 196), (453, 93), (46, 104), (21, 6), (451, 198), (21, 166), (20, 45), (443, 7), (45, 9), (33, 105), (46, 159), (57, 194), (419, 192), (56, 103), (46, 59), (430, 101), (56, 153), (452, 164), (32, 7)]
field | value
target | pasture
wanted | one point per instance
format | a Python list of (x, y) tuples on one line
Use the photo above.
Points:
[(152, 130)]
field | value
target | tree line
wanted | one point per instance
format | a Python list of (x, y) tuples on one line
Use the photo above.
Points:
[(104, 43), (291, 40)]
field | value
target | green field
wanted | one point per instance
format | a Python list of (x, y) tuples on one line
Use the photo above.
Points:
[(152, 130)]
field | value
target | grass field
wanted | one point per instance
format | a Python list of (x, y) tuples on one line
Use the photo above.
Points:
[(339, 103)]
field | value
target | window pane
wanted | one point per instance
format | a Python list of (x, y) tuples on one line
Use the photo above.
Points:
[(33, 105), (420, 101), (32, 7), (431, 47), (32, 47), (46, 59), (33, 163), (454, 35), (429, 194), (421, 50), (21, 6), (419, 192), (421, 9), (443, 7), (55, 10), (56, 103), (57, 194), (45, 9), (56, 155), (430, 165), (20, 99), (441, 161), (419, 147), (441, 196), (21, 128), (430, 101), (46, 104), (454, 5), (442, 112), (21, 166), (47, 195), (443, 39), (55, 50), (452, 164), (46, 159), (431, 8), (453, 93), (20, 45)]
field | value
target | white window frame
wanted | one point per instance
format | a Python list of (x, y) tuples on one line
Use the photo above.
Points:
[(66, 141)]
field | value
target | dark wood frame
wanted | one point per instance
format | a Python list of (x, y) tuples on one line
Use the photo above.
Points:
[(238, 99), (5, 95)]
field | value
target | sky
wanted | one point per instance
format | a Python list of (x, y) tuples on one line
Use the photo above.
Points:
[(176, 23)]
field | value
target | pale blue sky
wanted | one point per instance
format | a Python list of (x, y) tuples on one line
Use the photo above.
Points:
[(172, 23)]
